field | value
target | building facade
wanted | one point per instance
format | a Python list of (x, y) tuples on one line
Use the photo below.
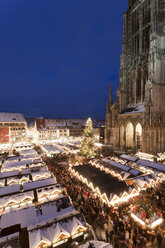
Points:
[(12, 127), (136, 120), (51, 129)]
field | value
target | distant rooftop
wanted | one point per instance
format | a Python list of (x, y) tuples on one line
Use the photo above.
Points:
[(44, 124), (11, 117)]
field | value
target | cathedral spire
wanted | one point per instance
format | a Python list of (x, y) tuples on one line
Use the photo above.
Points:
[(110, 95)]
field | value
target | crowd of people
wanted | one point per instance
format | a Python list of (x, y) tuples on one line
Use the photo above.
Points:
[(110, 224), (151, 205)]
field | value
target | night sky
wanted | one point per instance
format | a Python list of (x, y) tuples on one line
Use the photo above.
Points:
[(57, 57)]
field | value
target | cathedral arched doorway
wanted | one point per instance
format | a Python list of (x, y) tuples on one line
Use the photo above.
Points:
[(122, 141), (138, 136), (129, 135)]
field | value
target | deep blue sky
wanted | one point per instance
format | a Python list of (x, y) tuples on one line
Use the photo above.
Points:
[(57, 57)]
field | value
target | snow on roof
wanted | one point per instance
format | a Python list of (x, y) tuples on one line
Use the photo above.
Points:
[(24, 217), (13, 158), (63, 221), (48, 235), (61, 123), (13, 168), (51, 149), (9, 189), (35, 169), (154, 165), (115, 164), (57, 231), (145, 156), (71, 225), (128, 157), (2, 182), (133, 109), (30, 170), (44, 124), (49, 190), (39, 183), (11, 117), (18, 198), (32, 156), (55, 209), (76, 123), (41, 175), (48, 212), (35, 161), (50, 123), (27, 152), (8, 174), (18, 163), (36, 236), (12, 161), (17, 180)]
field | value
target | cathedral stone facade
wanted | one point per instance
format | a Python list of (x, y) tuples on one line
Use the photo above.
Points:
[(136, 120)]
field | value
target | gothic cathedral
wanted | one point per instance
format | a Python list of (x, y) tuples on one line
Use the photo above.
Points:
[(136, 120)]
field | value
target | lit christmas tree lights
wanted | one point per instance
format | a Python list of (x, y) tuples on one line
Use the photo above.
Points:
[(87, 148)]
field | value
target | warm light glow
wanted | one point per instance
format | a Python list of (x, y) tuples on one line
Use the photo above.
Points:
[(124, 199), (62, 233), (137, 219), (139, 128), (79, 226), (156, 223), (115, 200), (77, 235), (60, 242), (43, 242)]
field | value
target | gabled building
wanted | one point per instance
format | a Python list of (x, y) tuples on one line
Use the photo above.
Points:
[(50, 129)]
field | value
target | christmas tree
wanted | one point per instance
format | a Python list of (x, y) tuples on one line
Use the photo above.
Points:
[(87, 147)]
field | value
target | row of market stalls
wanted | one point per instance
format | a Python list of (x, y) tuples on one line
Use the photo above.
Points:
[(160, 157), (135, 173), (34, 210), (109, 197), (51, 148)]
